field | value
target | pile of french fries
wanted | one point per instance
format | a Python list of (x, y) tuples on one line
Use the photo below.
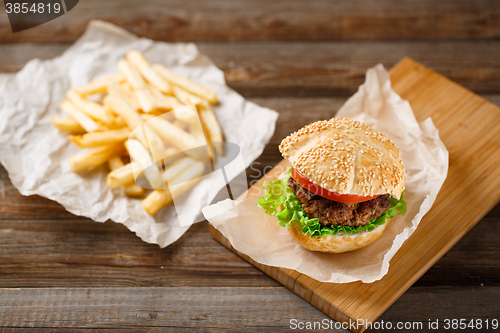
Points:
[(137, 118)]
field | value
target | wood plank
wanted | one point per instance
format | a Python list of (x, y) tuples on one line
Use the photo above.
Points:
[(233, 309), (69, 253), (338, 68), (318, 68), (273, 20), (197, 307), (468, 126), (421, 304)]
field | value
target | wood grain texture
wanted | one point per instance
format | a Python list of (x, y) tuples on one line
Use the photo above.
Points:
[(240, 309), (221, 20), (468, 126), (315, 69), (153, 307), (338, 68)]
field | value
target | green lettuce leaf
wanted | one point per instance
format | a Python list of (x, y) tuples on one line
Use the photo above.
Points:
[(280, 201)]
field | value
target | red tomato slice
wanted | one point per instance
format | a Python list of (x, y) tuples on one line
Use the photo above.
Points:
[(316, 189)]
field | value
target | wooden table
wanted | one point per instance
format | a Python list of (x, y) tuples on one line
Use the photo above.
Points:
[(303, 59)]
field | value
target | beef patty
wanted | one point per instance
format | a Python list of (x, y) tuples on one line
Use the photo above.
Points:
[(331, 212)]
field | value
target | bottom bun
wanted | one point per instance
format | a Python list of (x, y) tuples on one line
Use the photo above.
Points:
[(337, 243)]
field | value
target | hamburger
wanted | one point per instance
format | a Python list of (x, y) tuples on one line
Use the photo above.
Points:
[(345, 182)]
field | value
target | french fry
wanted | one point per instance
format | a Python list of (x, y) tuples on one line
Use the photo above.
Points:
[(209, 121), (188, 114), (79, 116), (131, 189), (155, 143), (114, 126), (96, 157), (137, 59), (151, 140), (146, 99), (169, 151), (156, 113), (117, 122), (115, 163), (185, 96), (211, 126), (173, 134), (147, 116), (193, 172), (134, 103), (187, 84), (99, 85), (156, 200), (122, 176), (177, 167), (198, 134), (132, 75), (160, 198), (93, 109), (134, 78), (117, 90), (160, 99), (139, 154), (130, 116), (96, 139), (174, 102), (65, 124), (179, 123)]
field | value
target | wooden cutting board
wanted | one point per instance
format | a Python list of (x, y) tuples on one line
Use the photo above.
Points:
[(470, 128)]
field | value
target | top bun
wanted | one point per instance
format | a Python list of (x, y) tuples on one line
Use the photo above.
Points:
[(345, 156)]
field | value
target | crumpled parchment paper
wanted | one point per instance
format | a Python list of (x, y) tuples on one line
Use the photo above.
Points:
[(425, 158), (35, 153)]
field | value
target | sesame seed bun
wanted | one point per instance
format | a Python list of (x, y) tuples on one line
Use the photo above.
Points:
[(346, 156), (339, 243)]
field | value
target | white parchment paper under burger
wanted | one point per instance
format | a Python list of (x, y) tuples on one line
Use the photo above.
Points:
[(425, 158), (35, 153)]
